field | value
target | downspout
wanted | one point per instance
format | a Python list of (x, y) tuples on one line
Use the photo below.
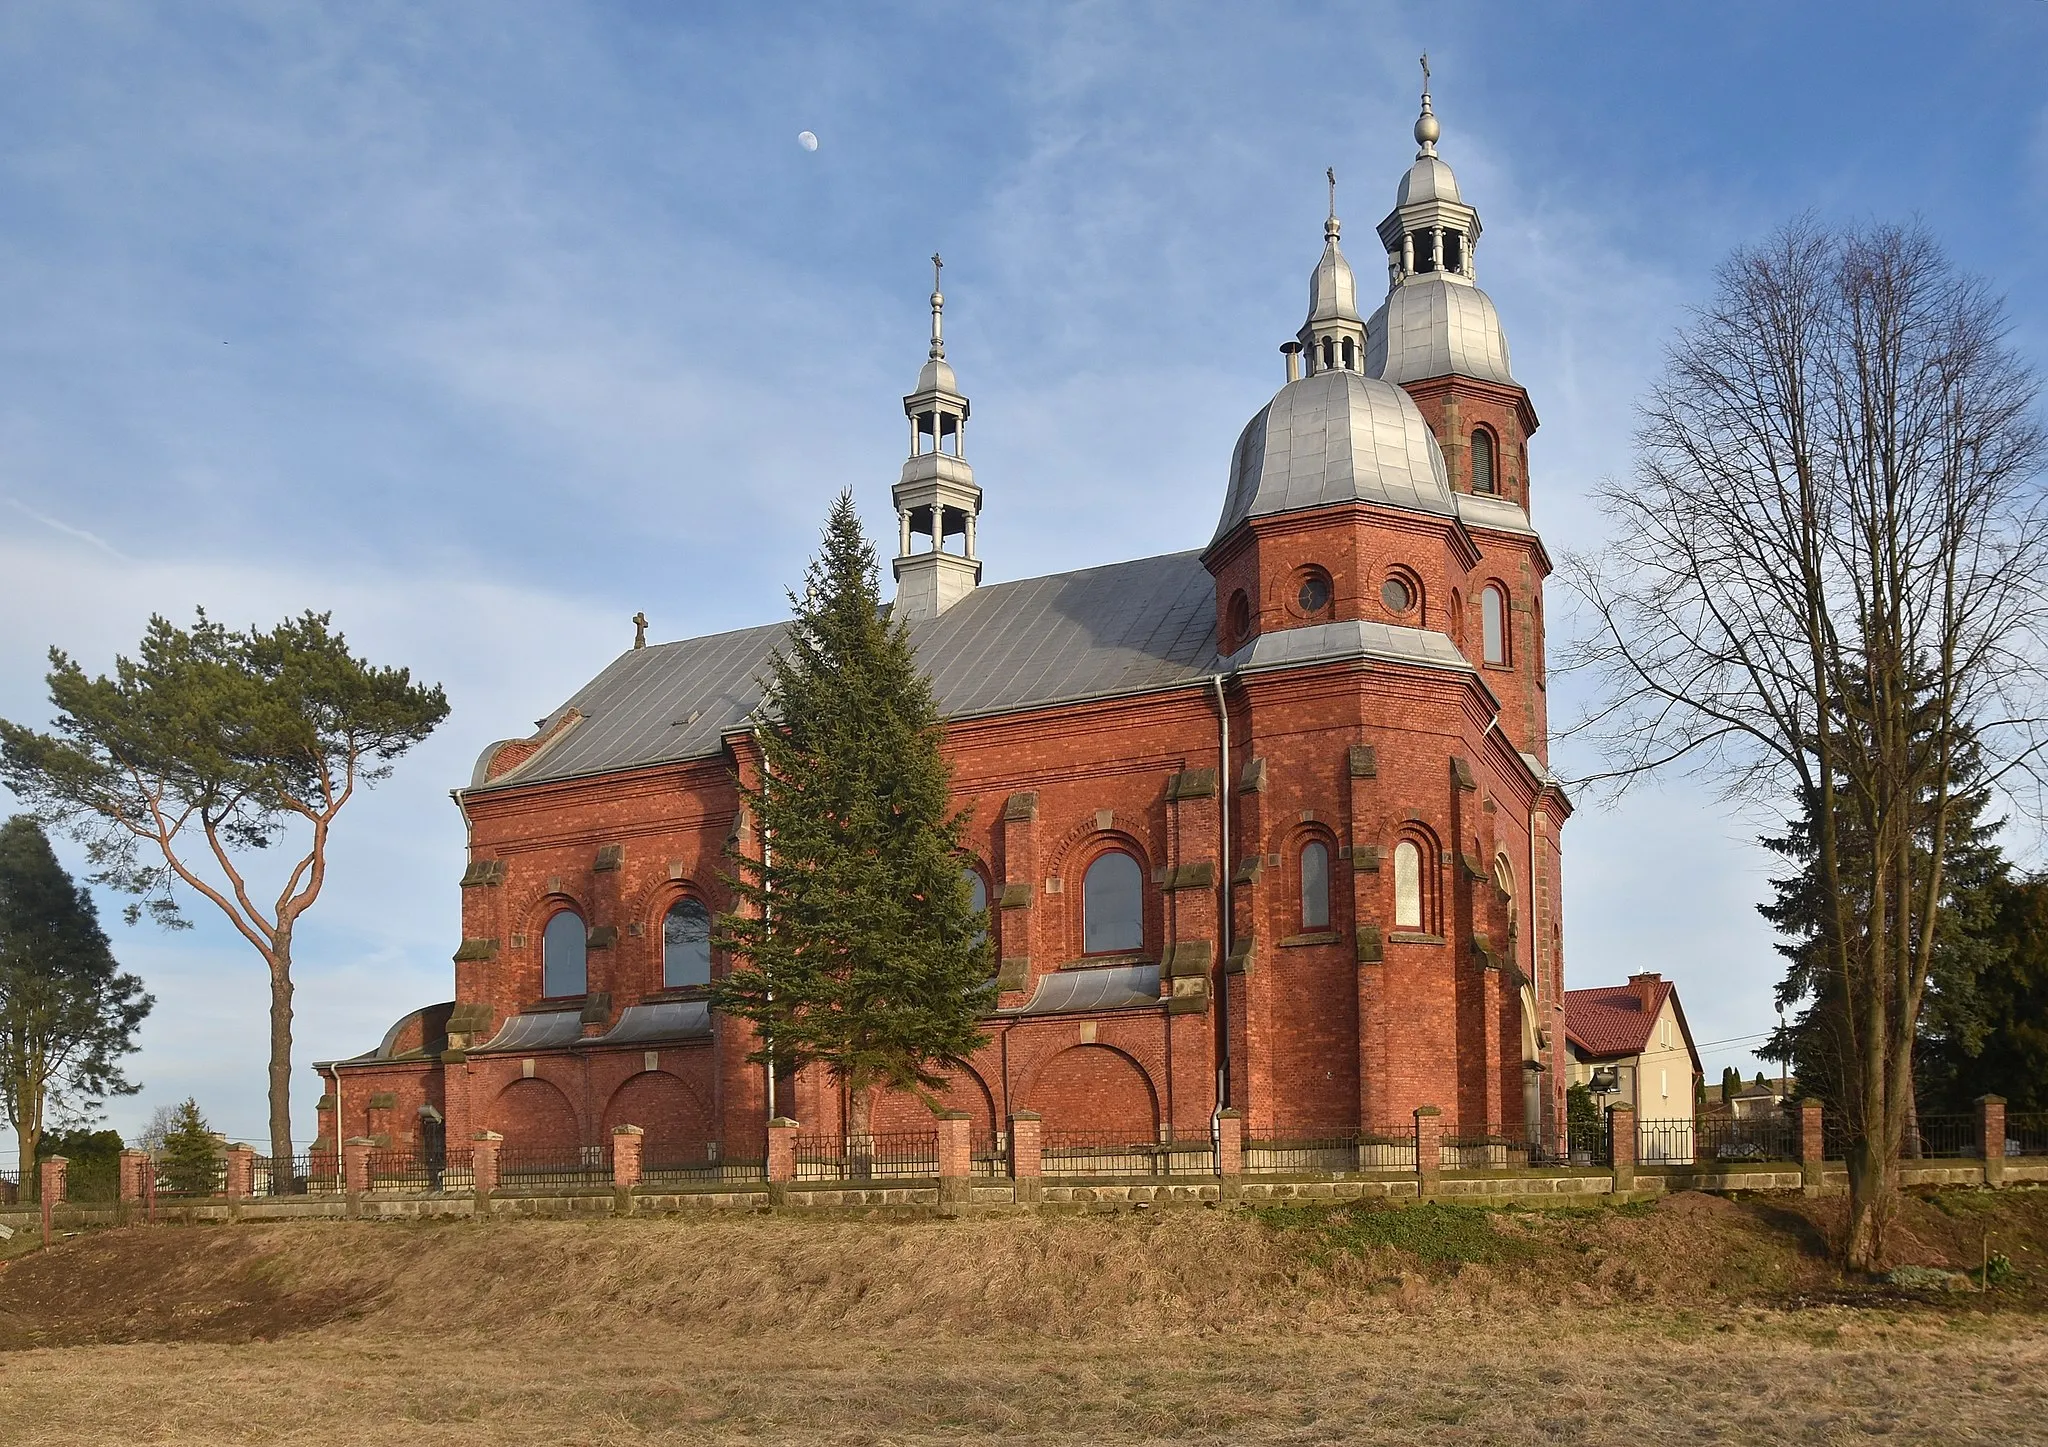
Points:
[(340, 1169), (1228, 895)]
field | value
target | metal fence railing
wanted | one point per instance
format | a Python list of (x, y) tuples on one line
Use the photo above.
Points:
[(1716, 1140), (1487, 1148), (312, 1174), (1940, 1137), (521, 1167), (1111, 1153), (1310, 1151), (2027, 1134), (405, 1170), (991, 1156), (882, 1155), (703, 1166)]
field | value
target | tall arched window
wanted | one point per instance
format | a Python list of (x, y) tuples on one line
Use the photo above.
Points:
[(564, 968), (1493, 623), (1482, 460), (1348, 354), (1315, 885), (1113, 905), (1407, 885), (977, 897), (686, 945)]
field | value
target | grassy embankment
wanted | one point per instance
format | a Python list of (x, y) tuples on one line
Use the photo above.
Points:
[(1694, 1319)]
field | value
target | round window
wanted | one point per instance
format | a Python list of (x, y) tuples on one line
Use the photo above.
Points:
[(1315, 593), (1397, 595)]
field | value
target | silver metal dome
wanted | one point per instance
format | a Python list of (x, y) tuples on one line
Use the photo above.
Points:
[(1335, 437), (1429, 179), (1437, 325)]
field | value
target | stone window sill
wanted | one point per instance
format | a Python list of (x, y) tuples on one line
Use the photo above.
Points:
[(1101, 962), (675, 992), (1413, 937), (1318, 937)]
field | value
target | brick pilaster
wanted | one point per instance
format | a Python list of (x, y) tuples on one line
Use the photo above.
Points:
[(1027, 1157), (241, 1172), (133, 1165), (1991, 1137), (54, 1181), (1230, 1151), (781, 1152), (355, 1164), (483, 1161), (1812, 1146), (1429, 1155), (956, 1156), (627, 1144), (1015, 893), (1621, 1141)]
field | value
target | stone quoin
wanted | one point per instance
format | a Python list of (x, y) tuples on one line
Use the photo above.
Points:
[(1266, 826)]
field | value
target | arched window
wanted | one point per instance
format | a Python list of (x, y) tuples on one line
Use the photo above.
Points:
[(1329, 354), (686, 945), (977, 897), (1315, 885), (1348, 354), (564, 968), (1407, 885), (1113, 905), (1482, 460), (1493, 623)]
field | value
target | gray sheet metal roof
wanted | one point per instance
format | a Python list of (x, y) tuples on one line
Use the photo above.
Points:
[(663, 1020), (1335, 437), (1115, 987), (1098, 633), (1487, 510), (547, 1030), (1348, 641)]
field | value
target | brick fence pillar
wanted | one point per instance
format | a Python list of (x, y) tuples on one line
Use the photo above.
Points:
[(483, 1161), (55, 1179), (1621, 1145), (1230, 1152), (1429, 1152), (956, 1156), (132, 1167), (241, 1172), (1991, 1137), (1027, 1157), (781, 1156), (1813, 1148), (355, 1164), (628, 1142)]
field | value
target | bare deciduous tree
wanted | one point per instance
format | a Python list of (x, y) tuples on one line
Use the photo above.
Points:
[(1824, 577)]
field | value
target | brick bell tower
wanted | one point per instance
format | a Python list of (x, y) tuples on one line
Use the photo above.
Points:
[(1439, 338)]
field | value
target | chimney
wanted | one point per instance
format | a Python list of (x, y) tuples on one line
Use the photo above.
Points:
[(1645, 987)]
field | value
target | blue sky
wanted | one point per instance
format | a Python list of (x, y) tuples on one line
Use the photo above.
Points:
[(486, 325)]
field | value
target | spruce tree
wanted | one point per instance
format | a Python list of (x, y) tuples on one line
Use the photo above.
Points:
[(856, 944), (67, 1012), (189, 1162)]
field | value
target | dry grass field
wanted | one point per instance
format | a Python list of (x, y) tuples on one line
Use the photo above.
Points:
[(1694, 1320)]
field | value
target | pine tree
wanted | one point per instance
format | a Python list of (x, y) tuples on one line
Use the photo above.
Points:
[(190, 1160), (67, 1012), (1967, 943), (1993, 1038), (856, 944)]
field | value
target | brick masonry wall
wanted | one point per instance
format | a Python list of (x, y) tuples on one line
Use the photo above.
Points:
[(1356, 1024)]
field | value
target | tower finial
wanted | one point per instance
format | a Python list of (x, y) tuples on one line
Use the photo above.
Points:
[(1426, 127), (938, 311), (1332, 227)]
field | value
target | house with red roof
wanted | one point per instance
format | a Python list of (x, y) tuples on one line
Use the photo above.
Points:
[(1630, 1044)]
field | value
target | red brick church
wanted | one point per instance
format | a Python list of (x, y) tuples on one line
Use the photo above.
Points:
[(1265, 824)]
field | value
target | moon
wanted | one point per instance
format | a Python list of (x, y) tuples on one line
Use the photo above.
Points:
[(807, 139)]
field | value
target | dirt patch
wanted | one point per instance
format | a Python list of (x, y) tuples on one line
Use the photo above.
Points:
[(158, 1284)]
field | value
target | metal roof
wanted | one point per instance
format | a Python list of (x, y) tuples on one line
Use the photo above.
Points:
[(1437, 325), (1335, 437), (1115, 987), (663, 1020), (545, 1030), (1097, 633)]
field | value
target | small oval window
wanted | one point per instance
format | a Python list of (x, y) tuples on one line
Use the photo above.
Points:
[(1315, 593), (1397, 595)]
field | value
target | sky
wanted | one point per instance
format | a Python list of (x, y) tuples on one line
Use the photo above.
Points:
[(485, 326)]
